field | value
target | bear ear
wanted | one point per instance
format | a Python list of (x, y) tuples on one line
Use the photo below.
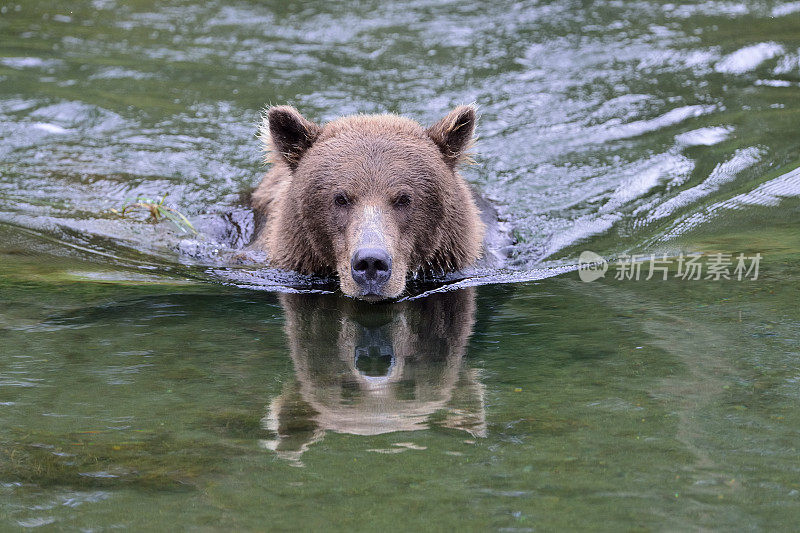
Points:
[(287, 134), (453, 134)]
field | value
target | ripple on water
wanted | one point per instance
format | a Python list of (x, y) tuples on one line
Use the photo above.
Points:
[(37, 522), (79, 116), (748, 58), (769, 194), (783, 10), (724, 172)]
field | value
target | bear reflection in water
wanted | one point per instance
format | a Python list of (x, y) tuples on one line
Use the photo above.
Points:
[(365, 369)]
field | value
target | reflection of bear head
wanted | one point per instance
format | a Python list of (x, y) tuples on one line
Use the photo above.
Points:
[(367, 371), (370, 198)]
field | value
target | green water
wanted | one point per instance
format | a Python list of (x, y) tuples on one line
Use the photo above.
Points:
[(140, 388)]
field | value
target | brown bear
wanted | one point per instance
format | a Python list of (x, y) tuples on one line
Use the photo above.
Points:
[(371, 198)]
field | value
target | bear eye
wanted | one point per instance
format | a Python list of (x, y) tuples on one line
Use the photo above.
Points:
[(341, 199), (403, 200)]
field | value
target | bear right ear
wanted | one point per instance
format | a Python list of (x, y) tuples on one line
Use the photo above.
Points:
[(287, 134)]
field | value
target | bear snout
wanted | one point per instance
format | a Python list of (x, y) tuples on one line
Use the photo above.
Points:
[(371, 268)]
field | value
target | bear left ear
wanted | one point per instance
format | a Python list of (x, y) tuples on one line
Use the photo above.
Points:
[(288, 134), (453, 134)]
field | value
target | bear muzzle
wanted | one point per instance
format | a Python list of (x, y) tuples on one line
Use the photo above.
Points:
[(371, 269)]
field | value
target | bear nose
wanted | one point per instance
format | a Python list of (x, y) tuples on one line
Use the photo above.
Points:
[(371, 268)]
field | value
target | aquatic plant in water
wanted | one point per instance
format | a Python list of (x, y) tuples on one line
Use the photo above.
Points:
[(158, 212)]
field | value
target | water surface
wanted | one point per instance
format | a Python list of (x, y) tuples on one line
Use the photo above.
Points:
[(144, 382)]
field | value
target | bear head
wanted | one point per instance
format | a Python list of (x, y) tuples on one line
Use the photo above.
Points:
[(371, 198)]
